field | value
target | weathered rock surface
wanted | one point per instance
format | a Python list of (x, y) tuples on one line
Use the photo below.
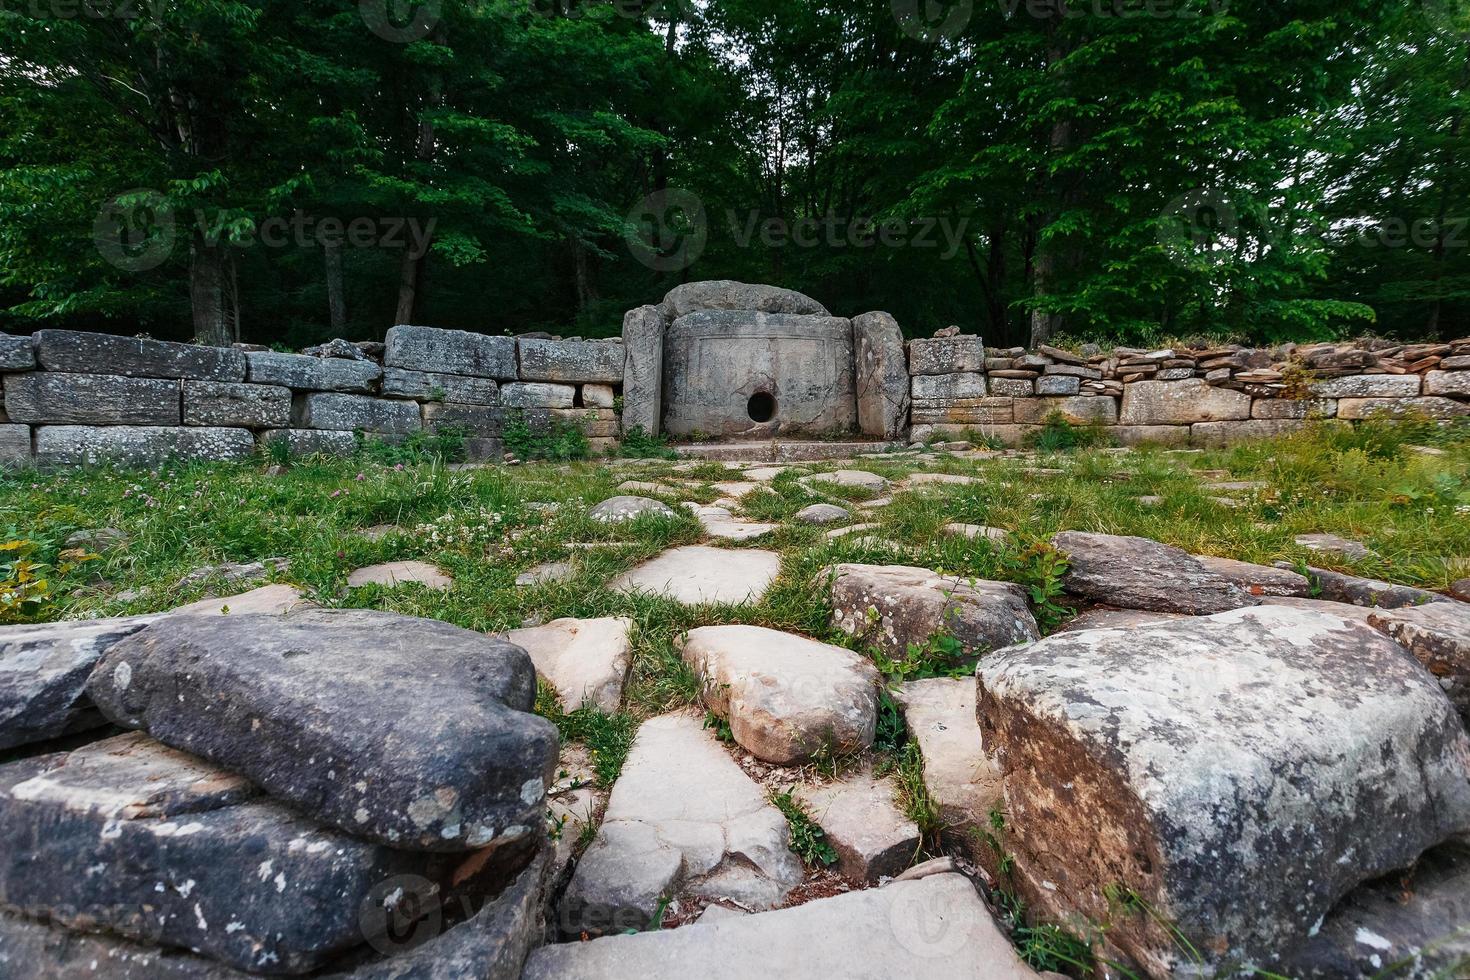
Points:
[(236, 403), (586, 660), (1078, 410), (79, 399), (859, 818), (1460, 589), (1447, 383), (1233, 771), (15, 445), (947, 387), (129, 836), (1368, 386), (695, 573), (392, 574), (936, 928), (786, 697), (848, 478), (1339, 587), (16, 353), (233, 573), (406, 731), (683, 820), (1258, 580), (312, 442), (1181, 402), (614, 510), (268, 600), (882, 379), (946, 355), (76, 352), (429, 386), (1092, 619), (962, 779), (1438, 634), (37, 951), (718, 522), (726, 294), (643, 369), (822, 514), (1139, 573), (450, 352), (573, 361), (1333, 544), (43, 676), (537, 394), (893, 606), (977, 532), (304, 372), (330, 410)]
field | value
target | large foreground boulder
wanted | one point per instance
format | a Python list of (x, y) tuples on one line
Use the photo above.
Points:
[(38, 951), (129, 836), (893, 606), (1224, 779), (786, 697), (1139, 573), (411, 732)]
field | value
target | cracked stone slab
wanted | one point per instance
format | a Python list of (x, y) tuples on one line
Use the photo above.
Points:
[(896, 605), (1234, 771), (785, 696), (858, 816), (695, 574), (960, 776), (1140, 573), (409, 732), (586, 660), (718, 522), (683, 820)]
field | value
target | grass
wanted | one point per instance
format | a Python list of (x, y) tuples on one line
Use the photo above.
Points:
[(807, 839)]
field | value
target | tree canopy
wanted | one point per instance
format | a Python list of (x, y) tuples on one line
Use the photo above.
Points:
[(1116, 170)]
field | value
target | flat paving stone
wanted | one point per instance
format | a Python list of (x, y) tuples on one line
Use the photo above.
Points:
[(615, 510), (586, 660), (976, 532), (962, 779), (718, 522), (548, 571), (268, 600), (395, 573), (696, 573), (921, 479), (872, 837), (849, 478), (1332, 544), (842, 532)]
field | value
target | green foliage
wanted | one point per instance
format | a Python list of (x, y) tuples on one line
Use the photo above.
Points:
[(807, 839), (638, 444), (446, 445), (34, 575), (553, 439), (608, 738), (891, 731), (914, 798), (1039, 569), (720, 726), (941, 655), (1057, 435)]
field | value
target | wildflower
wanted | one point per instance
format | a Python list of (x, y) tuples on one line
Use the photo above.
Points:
[(360, 477)]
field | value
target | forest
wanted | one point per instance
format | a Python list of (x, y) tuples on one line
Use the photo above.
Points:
[(1118, 171)]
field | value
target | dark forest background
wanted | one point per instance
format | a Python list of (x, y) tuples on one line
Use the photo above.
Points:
[(1124, 172)]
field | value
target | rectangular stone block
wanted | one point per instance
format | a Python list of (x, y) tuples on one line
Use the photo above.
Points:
[(1448, 383), (1288, 408), (1058, 384), (330, 410), (643, 369), (965, 411), (1077, 409), (598, 396), (450, 352), (16, 353), (1013, 436), (1433, 406), (1073, 370), (1224, 433), (1181, 403), (313, 442), (132, 445), (79, 352), (306, 373), (1159, 435), (881, 375), (536, 394), (1174, 374), (947, 387), (236, 403), (427, 386), (483, 449), (947, 355), (1369, 386), (41, 397), (543, 359), (1014, 387), (477, 420), (15, 445)]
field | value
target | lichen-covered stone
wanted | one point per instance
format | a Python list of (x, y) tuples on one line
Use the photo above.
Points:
[(15, 445), (450, 352), (1078, 409), (947, 387), (536, 394), (1455, 383), (574, 361), (1244, 430), (893, 606), (313, 442), (1355, 590), (882, 380), (1231, 776), (1368, 386), (235, 403), (1181, 402), (479, 420), (77, 352), (83, 399), (1429, 406), (947, 355), (16, 353), (726, 294), (643, 369), (410, 732), (1258, 580), (303, 372), (131, 445), (331, 410), (1057, 384), (1139, 573), (38, 951), (427, 386)]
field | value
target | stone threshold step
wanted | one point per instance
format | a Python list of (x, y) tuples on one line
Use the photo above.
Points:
[(781, 451)]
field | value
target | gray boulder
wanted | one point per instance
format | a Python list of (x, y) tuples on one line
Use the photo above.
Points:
[(306, 373), (411, 732), (427, 386), (822, 514), (451, 352), (882, 378), (76, 352), (107, 399), (615, 510), (726, 294), (37, 951), (43, 676), (1224, 779), (947, 355), (892, 606), (573, 361), (1140, 573), (131, 837)]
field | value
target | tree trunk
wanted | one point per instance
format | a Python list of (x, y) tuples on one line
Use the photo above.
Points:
[(212, 293), (1045, 325), (581, 274), (408, 286), (336, 301)]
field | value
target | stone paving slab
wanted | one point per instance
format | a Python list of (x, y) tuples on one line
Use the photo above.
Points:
[(696, 573)]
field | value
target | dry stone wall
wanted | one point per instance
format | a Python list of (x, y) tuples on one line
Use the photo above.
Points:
[(75, 398)]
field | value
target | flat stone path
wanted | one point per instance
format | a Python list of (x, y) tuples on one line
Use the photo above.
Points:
[(394, 573), (696, 573)]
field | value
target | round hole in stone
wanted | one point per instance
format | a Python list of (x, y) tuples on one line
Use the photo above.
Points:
[(761, 407)]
